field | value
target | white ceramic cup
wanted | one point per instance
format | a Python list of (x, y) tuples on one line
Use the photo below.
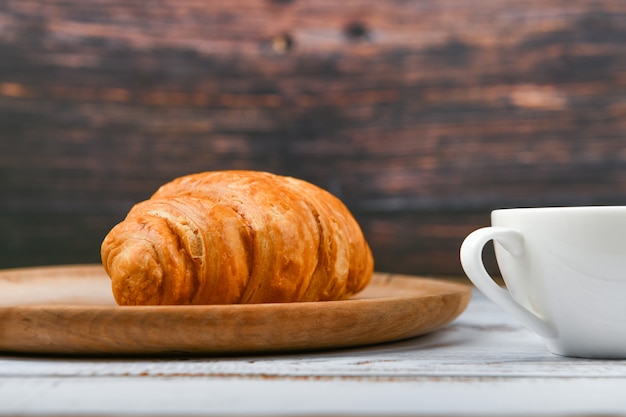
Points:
[(565, 275)]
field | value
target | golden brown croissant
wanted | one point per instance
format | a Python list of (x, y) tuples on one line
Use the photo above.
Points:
[(229, 237)]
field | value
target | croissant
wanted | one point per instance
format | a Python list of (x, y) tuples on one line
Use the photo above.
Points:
[(228, 237)]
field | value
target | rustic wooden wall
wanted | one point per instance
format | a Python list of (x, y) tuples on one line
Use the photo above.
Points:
[(421, 115)]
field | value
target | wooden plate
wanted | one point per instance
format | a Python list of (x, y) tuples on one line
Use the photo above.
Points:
[(70, 310)]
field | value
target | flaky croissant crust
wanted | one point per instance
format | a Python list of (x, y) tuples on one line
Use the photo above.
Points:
[(229, 237)]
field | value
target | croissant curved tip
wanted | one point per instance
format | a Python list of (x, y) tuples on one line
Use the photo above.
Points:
[(136, 276)]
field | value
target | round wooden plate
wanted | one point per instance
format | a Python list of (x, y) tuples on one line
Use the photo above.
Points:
[(71, 310)]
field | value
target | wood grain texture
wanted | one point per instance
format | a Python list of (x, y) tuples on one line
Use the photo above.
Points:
[(421, 115), (70, 310), (484, 363)]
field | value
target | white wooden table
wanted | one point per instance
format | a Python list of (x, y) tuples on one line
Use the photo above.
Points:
[(482, 364)]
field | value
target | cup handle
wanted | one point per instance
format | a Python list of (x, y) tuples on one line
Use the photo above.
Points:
[(472, 262)]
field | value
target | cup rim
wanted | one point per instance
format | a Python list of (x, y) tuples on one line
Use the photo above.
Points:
[(561, 208)]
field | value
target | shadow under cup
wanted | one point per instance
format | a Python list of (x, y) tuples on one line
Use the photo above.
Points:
[(565, 272)]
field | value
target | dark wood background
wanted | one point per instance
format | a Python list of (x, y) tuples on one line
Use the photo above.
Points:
[(421, 115)]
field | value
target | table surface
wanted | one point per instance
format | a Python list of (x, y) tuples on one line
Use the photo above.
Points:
[(484, 363)]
